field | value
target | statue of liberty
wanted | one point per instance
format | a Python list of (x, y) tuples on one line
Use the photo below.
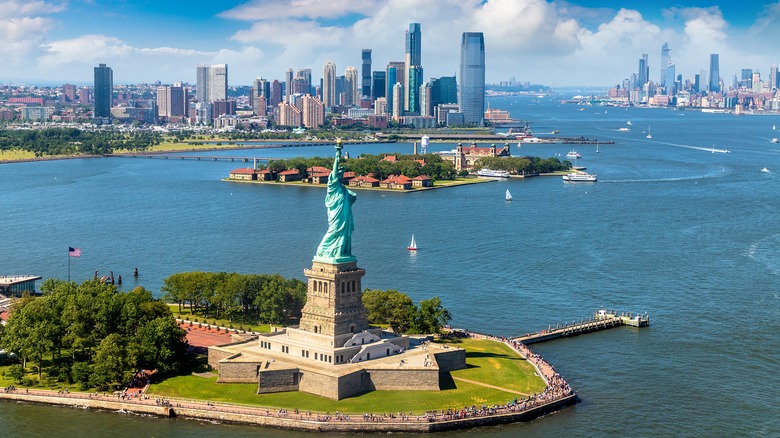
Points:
[(336, 245)]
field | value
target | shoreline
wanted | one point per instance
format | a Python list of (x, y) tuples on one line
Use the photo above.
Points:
[(281, 418), (378, 189), (555, 397)]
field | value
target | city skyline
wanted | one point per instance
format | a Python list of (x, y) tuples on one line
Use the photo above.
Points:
[(586, 42)]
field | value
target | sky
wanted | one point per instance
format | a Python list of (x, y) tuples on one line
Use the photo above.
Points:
[(554, 43)]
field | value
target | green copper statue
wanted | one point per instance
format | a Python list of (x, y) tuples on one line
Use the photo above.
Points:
[(336, 246)]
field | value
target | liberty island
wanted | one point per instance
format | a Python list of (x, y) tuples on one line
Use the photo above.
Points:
[(334, 352)]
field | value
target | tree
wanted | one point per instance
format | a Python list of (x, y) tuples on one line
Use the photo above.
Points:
[(431, 316), (159, 344), (110, 362), (389, 307), (16, 372)]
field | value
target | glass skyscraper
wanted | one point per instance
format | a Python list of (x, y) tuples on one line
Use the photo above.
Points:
[(366, 73), (413, 66), (104, 87), (471, 89), (714, 73)]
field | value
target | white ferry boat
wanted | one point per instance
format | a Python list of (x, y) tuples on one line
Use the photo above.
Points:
[(580, 177), (490, 173), (573, 154)]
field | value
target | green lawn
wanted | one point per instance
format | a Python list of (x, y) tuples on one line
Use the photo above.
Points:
[(488, 362), (496, 364), (16, 154)]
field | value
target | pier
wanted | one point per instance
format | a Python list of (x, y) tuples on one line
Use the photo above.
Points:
[(601, 320)]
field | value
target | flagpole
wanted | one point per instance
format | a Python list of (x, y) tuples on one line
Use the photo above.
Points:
[(68, 265)]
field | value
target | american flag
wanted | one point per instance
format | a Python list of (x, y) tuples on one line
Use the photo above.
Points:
[(74, 252)]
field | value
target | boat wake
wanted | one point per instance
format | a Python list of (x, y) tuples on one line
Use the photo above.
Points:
[(767, 252)]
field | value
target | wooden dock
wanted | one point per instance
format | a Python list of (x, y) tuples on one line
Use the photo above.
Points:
[(601, 320)]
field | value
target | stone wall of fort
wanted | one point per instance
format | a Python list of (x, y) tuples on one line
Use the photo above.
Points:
[(278, 381), (405, 379), (450, 359), (238, 372)]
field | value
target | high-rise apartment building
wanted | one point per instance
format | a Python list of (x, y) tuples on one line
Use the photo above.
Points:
[(714, 73), (69, 92), (329, 84), (212, 82), (413, 59), (312, 112), (352, 88), (288, 78), (471, 90), (171, 101), (415, 81), (276, 93), (426, 109), (398, 102), (366, 73), (104, 88)]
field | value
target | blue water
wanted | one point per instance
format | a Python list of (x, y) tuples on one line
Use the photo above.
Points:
[(689, 236)]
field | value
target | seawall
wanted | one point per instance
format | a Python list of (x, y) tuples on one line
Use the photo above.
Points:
[(283, 419)]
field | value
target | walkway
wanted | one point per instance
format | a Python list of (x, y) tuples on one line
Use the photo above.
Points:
[(474, 382)]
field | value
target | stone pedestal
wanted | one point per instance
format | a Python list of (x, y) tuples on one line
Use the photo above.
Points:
[(334, 301)]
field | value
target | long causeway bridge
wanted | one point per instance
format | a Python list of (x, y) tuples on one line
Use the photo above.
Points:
[(190, 157), (601, 320)]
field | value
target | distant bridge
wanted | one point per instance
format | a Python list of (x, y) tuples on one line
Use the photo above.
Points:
[(190, 157)]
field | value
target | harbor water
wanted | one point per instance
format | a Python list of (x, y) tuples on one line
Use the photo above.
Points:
[(688, 235)]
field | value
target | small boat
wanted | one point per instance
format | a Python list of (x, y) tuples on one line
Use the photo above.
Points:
[(508, 195), (412, 245), (490, 173), (629, 123), (765, 170), (580, 177), (774, 140), (573, 154), (649, 135), (624, 129)]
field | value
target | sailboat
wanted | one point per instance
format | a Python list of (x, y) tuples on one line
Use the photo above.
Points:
[(649, 135), (597, 146), (508, 195), (412, 245)]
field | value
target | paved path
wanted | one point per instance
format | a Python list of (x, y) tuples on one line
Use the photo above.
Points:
[(489, 386)]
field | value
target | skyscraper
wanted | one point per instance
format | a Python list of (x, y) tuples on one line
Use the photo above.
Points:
[(351, 90), (444, 90), (664, 64), (415, 81), (413, 59), (398, 107), (104, 87), (329, 84), (643, 73), (471, 90), (212, 82), (378, 86), (714, 73), (366, 73), (288, 78), (395, 73), (773, 79)]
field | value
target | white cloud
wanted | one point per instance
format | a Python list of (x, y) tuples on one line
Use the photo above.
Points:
[(276, 9), (14, 8)]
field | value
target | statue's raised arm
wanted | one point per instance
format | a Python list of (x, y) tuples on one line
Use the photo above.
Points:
[(336, 245)]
